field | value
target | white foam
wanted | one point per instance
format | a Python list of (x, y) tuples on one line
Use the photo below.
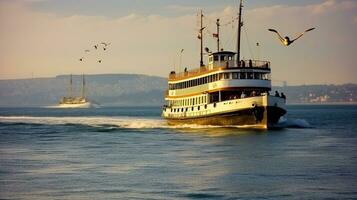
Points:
[(119, 122), (293, 123), (134, 123)]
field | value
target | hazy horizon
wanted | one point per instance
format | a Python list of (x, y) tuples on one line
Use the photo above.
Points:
[(46, 38)]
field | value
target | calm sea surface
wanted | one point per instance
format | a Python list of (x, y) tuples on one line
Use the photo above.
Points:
[(130, 153)]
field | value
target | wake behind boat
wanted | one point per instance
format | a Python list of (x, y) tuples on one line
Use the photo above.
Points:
[(226, 92)]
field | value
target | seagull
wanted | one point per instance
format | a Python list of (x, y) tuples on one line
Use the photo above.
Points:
[(286, 41), (105, 44), (100, 61), (87, 50), (81, 59), (96, 46)]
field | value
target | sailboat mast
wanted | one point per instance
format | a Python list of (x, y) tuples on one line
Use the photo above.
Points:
[(70, 86), (83, 86), (240, 24)]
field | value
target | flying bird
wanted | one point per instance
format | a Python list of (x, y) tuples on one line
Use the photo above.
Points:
[(81, 59), (87, 50), (96, 46), (286, 40), (100, 61), (105, 44)]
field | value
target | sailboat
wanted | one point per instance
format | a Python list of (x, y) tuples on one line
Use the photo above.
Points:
[(72, 101)]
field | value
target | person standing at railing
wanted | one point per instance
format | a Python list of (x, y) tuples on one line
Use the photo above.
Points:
[(242, 63)]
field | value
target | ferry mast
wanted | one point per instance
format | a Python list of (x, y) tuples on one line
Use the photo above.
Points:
[(200, 36), (240, 24)]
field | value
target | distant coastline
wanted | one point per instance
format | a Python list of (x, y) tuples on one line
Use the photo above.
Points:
[(111, 90)]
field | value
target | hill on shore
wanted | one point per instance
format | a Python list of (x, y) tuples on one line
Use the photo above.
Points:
[(140, 90), (107, 89)]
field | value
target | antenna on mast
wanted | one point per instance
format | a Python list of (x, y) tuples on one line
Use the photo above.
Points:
[(240, 24)]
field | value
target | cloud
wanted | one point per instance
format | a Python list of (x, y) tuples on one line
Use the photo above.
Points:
[(181, 9), (47, 44)]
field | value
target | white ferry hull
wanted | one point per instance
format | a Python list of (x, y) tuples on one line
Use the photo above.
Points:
[(257, 112)]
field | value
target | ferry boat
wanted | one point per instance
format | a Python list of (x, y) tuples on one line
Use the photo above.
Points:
[(227, 91), (71, 101)]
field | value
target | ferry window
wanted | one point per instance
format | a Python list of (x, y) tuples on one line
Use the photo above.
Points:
[(186, 109), (171, 109), (216, 77), (220, 76), (215, 58), (205, 106), (226, 75), (181, 109), (257, 75), (223, 58), (250, 75), (230, 58), (265, 76), (235, 75), (206, 80), (192, 108), (199, 107), (193, 103), (243, 75), (214, 105), (210, 59)]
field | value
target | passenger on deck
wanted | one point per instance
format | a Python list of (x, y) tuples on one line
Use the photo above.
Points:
[(277, 94), (254, 94), (242, 63), (283, 95), (250, 63), (242, 96)]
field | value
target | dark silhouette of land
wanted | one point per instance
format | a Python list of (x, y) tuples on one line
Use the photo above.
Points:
[(142, 90)]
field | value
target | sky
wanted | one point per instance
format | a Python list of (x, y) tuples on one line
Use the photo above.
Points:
[(45, 38)]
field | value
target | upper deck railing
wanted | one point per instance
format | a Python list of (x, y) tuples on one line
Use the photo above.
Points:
[(246, 64)]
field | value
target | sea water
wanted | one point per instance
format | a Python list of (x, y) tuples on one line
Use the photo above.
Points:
[(130, 153)]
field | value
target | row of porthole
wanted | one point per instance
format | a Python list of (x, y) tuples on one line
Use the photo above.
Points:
[(192, 108)]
